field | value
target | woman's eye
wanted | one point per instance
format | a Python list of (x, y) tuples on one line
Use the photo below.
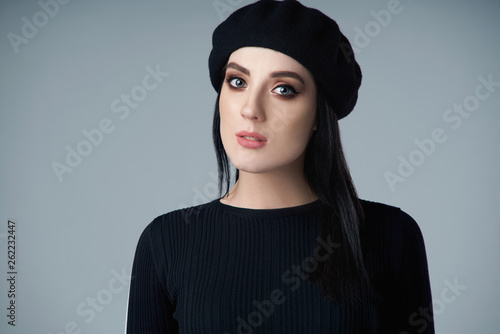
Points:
[(285, 90), (236, 82)]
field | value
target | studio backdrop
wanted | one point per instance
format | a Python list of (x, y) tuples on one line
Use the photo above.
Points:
[(105, 123)]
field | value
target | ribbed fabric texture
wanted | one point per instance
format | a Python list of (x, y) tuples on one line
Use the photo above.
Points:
[(215, 268)]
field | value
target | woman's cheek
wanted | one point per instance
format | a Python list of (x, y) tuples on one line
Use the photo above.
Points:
[(225, 136)]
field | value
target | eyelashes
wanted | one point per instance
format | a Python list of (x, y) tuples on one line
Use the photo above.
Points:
[(232, 81), (291, 90), (284, 90)]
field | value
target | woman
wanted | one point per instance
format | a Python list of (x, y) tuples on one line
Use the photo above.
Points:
[(289, 248)]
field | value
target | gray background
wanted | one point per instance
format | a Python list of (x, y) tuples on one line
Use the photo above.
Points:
[(74, 236)]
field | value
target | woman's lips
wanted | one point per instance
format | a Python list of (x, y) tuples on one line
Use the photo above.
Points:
[(251, 139)]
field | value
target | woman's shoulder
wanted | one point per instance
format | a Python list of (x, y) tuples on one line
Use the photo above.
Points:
[(392, 235), (389, 221), (171, 227), (380, 213), (179, 217)]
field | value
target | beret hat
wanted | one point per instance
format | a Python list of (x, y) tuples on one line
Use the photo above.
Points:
[(305, 34)]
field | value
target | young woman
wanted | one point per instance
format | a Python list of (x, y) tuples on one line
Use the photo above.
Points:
[(289, 248)]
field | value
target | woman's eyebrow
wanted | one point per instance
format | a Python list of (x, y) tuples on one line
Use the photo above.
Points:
[(287, 74), (238, 67), (279, 74)]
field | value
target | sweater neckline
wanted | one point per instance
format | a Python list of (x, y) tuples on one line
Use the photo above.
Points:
[(276, 212)]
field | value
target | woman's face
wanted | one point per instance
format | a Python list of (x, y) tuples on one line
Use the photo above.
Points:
[(274, 96)]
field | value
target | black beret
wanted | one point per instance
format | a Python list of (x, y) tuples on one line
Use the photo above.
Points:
[(305, 34)]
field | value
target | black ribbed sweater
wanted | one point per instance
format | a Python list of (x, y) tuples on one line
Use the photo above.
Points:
[(215, 268)]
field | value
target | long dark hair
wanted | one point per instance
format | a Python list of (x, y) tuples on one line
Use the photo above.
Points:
[(343, 274)]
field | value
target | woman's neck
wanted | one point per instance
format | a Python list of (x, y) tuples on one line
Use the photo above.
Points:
[(270, 190)]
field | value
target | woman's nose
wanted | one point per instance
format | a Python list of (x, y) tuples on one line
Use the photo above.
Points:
[(253, 106)]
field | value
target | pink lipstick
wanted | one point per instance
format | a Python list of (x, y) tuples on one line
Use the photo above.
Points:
[(251, 139)]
